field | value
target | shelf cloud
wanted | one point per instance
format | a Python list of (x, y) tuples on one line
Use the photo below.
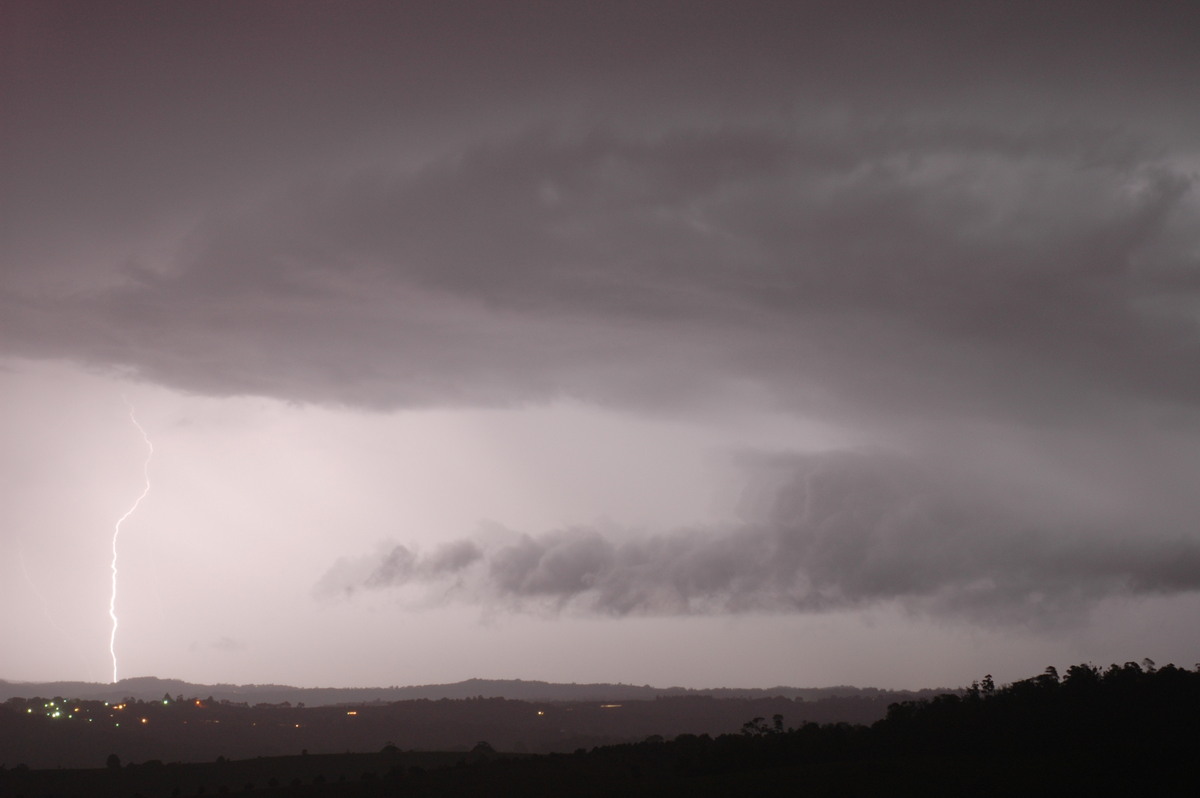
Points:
[(843, 529)]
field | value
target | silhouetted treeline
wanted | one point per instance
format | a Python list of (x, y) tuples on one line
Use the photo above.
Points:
[(1130, 711), (1130, 729)]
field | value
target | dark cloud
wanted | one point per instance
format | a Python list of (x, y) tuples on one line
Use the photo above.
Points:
[(398, 565), (446, 204), (947, 270), (844, 529)]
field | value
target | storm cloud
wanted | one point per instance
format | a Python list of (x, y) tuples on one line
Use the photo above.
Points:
[(946, 270), (843, 529), (921, 280), (920, 245)]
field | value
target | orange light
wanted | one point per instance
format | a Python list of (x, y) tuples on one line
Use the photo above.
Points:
[(351, 712), (145, 720)]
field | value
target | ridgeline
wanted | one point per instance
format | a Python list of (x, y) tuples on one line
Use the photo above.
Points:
[(1126, 730)]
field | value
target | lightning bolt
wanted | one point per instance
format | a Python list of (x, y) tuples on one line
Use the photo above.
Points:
[(112, 602)]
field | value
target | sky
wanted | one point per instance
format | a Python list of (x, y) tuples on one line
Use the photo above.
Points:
[(701, 344)]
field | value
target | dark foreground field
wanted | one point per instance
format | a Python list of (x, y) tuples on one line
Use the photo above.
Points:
[(1127, 730), (675, 770)]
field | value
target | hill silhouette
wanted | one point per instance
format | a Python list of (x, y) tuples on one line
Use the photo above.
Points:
[(149, 687), (1131, 729)]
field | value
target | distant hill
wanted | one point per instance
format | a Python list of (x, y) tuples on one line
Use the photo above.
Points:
[(150, 687), (1127, 730)]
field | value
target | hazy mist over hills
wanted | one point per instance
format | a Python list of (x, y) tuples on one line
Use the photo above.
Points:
[(151, 688)]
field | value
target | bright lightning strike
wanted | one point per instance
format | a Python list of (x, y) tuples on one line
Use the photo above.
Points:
[(112, 602)]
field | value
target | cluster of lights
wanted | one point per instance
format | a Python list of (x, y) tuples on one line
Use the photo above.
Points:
[(52, 709), (59, 708)]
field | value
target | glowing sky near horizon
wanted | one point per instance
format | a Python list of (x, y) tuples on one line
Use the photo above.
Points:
[(662, 343)]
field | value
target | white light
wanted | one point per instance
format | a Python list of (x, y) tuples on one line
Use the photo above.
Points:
[(112, 601)]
